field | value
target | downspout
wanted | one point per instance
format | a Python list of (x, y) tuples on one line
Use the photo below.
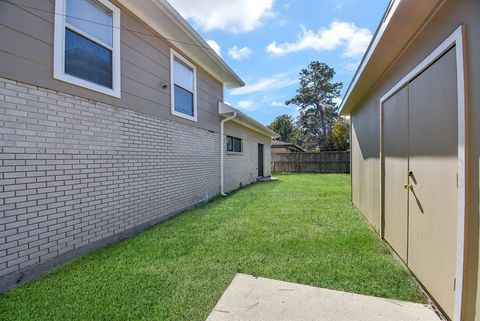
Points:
[(222, 149)]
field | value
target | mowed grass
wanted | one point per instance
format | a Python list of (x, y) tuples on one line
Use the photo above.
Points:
[(301, 228)]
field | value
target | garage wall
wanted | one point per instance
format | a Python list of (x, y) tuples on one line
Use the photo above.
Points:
[(366, 131), (241, 168)]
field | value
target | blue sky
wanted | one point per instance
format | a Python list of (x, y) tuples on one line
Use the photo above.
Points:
[(267, 42)]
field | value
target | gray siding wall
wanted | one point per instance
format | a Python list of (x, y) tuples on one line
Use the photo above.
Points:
[(26, 54), (75, 171), (366, 132), (242, 168)]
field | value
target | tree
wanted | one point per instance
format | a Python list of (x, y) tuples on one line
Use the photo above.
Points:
[(315, 97), (341, 134), (284, 125)]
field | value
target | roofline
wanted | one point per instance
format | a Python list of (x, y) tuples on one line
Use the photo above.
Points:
[(244, 120), (189, 42), (287, 145), (387, 15), (401, 23)]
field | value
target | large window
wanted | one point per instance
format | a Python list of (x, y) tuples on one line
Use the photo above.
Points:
[(87, 44), (184, 83), (234, 144)]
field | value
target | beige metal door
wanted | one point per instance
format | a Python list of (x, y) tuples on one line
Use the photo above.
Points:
[(395, 151), (433, 152)]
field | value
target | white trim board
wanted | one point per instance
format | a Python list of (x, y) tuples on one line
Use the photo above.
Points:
[(173, 55), (456, 39), (59, 50)]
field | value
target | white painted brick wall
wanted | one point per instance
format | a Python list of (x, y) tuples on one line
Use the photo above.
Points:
[(242, 169), (73, 171)]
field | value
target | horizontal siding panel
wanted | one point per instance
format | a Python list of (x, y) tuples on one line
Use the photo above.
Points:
[(137, 58), (133, 86), (25, 46), (134, 41), (208, 81), (43, 9), (26, 53), (131, 22), (24, 21)]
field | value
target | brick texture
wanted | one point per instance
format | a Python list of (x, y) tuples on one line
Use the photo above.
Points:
[(241, 169), (73, 171)]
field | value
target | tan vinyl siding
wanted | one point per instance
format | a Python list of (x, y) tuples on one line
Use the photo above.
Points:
[(366, 132), (26, 52)]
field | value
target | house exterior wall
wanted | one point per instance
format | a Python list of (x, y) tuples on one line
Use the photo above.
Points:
[(366, 132), (26, 53), (75, 171), (242, 168), (80, 169)]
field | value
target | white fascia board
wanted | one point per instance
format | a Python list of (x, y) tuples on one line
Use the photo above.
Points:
[(168, 23), (226, 110), (398, 29)]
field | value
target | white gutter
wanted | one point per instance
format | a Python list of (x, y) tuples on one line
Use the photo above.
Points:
[(222, 149)]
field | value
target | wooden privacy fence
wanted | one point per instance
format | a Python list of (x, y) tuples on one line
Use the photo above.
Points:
[(323, 162)]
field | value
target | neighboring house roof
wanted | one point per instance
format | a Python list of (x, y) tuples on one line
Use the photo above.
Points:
[(399, 26), (280, 144), (165, 20), (226, 110)]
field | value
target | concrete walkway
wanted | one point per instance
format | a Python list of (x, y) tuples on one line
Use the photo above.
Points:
[(250, 298)]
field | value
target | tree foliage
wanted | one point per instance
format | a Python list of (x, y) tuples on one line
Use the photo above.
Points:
[(318, 110), (341, 134), (284, 125)]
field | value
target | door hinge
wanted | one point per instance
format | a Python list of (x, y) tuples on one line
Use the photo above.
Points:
[(454, 283)]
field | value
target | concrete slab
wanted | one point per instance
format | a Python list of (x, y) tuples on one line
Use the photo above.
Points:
[(249, 298)]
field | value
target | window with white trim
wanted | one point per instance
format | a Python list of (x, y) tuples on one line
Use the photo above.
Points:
[(234, 144), (87, 44), (183, 86)]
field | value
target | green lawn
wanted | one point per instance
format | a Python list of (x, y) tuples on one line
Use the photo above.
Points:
[(301, 228)]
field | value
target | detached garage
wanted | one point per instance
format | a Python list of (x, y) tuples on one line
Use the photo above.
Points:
[(414, 107)]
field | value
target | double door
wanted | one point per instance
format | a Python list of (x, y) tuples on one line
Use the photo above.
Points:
[(420, 149)]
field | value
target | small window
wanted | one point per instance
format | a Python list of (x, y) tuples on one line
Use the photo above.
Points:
[(234, 144), (183, 84), (87, 51)]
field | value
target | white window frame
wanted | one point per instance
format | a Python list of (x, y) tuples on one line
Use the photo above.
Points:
[(233, 152), (59, 50), (173, 55)]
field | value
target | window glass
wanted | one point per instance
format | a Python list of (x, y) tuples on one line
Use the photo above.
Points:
[(229, 144), (87, 60), (183, 75), (183, 101), (92, 18), (237, 145)]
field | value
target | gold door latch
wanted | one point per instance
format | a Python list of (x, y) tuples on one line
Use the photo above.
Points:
[(408, 187)]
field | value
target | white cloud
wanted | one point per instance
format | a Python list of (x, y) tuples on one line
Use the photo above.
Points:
[(233, 15), (337, 100), (352, 66), (353, 39), (246, 105), (274, 82), (239, 53), (278, 104), (215, 46)]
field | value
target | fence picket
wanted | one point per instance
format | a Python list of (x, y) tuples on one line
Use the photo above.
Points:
[(323, 162)]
